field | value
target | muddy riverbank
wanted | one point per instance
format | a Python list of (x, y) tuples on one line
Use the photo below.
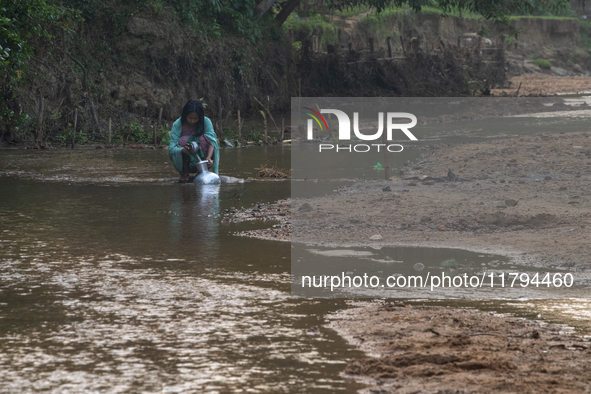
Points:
[(434, 349), (525, 197), (538, 84), (528, 198)]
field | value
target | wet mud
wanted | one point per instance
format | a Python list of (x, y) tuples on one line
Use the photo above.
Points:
[(434, 349)]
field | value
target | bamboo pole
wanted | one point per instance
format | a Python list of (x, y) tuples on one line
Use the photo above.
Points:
[(95, 117), (390, 52), (220, 131), (517, 93), (41, 110), (75, 123), (157, 128), (282, 130), (267, 110), (265, 123), (239, 126)]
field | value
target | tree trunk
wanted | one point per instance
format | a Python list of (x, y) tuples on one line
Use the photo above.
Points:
[(285, 11)]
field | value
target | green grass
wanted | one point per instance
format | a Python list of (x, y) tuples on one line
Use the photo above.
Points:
[(382, 21), (328, 32), (353, 11), (434, 10), (543, 64)]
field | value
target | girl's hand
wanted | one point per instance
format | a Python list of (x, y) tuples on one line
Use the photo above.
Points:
[(185, 152), (209, 162)]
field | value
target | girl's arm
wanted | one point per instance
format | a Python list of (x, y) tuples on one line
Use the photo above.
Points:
[(210, 150)]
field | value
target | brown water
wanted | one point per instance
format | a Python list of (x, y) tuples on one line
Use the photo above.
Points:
[(115, 278)]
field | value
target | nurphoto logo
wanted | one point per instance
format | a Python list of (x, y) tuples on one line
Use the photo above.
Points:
[(345, 129)]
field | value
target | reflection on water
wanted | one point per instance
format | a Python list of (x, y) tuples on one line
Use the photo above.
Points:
[(113, 285), (114, 278), (195, 219), (140, 288), (411, 272)]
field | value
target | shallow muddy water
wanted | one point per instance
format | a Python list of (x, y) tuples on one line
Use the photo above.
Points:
[(115, 278)]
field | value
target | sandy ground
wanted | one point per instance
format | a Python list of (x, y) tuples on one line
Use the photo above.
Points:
[(433, 349), (525, 197), (528, 198), (545, 85)]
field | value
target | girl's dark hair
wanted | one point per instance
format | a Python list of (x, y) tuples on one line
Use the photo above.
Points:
[(197, 107)]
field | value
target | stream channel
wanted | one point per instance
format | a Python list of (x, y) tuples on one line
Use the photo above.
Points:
[(116, 278)]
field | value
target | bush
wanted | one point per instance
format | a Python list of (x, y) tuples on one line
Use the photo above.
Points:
[(314, 24), (543, 64)]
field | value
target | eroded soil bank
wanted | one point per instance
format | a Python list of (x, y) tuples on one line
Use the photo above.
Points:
[(433, 349)]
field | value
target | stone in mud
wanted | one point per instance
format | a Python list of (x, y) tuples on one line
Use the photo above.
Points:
[(418, 266), (510, 202), (376, 237), (425, 219), (387, 189), (547, 178), (441, 227)]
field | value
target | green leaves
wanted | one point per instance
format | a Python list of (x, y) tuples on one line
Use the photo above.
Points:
[(22, 24)]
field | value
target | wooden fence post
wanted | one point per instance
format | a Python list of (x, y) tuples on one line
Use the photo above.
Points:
[(239, 126), (41, 110), (75, 123), (157, 128), (390, 52), (265, 123), (282, 129), (220, 131)]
